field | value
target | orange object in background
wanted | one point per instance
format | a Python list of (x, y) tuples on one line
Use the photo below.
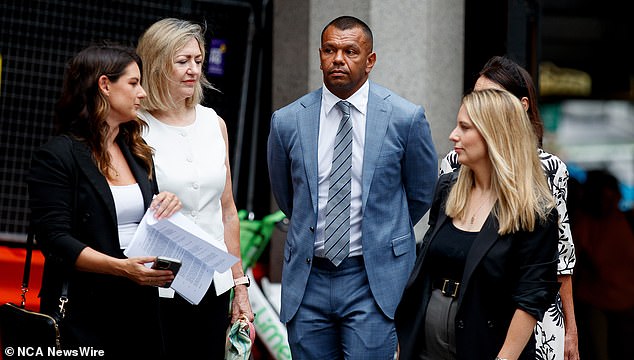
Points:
[(12, 269)]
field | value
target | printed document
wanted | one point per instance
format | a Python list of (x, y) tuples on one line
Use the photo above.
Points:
[(179, 237)]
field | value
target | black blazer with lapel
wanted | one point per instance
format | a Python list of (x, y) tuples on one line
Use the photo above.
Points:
[(502, 273), (73, 208)]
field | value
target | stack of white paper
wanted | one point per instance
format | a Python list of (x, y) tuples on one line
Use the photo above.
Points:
[(178, 237)]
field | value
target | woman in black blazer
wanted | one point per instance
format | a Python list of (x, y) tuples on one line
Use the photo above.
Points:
[(486, 270), (89, 188)]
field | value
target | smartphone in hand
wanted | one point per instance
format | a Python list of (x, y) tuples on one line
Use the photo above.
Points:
[(166, 263)]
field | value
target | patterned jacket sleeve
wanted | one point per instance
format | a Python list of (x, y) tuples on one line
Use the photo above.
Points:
[(557, 176)]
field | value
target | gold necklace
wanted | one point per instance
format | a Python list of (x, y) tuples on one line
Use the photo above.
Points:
[(484, 202), (471, 221)]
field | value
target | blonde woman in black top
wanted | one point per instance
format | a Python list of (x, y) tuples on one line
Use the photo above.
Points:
[(486, 272)]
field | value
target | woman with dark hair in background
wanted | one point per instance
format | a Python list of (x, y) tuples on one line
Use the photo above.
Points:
[(89, 188)]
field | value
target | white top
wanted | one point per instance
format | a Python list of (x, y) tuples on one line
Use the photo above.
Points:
[(329, 119), (128, 202), (190, 162)]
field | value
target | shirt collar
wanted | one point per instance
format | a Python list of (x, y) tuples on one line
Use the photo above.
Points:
[(359, 99)]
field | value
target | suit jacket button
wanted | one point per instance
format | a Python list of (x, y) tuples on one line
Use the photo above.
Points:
[(460, 324), (312, 229), (308, 260), (490, 323)]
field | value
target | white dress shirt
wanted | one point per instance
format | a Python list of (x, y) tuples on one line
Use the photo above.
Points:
[(329, 119)]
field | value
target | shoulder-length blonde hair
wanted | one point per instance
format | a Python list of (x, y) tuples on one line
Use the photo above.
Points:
[(517, 177), (157, 48)]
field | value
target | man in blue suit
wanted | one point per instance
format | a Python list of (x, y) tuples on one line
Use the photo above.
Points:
[(342, 305)]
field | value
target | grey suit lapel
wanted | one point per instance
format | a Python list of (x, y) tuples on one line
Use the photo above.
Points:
[(377, 119), (376, 122), (308, 129)]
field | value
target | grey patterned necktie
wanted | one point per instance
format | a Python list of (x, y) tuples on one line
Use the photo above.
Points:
[(337, 231)]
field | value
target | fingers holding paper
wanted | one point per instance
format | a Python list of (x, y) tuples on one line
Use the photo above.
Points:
[(165, 204)]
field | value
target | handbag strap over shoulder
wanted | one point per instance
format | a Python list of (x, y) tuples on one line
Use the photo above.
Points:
[(30, 240)]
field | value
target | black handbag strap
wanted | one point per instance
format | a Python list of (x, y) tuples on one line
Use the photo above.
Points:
[(30, 240), (27, 260), (27, 265), (63, 298)]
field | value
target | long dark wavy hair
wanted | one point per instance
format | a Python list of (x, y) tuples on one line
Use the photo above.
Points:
[(82, 109)]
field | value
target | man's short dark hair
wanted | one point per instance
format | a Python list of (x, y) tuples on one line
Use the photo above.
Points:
[(350, 22)]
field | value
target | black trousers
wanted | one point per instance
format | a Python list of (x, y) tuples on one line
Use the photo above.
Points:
[(195, 331)]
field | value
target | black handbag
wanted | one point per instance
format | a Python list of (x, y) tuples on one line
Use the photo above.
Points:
[(22, 328)]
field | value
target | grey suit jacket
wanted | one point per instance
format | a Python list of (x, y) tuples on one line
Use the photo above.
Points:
[(399, 173)]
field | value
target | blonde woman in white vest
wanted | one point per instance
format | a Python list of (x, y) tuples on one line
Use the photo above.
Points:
[(191, 158)]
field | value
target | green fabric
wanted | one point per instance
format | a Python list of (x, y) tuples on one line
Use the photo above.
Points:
[(255, 235)]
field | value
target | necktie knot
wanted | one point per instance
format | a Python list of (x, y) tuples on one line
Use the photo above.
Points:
[(344, 106)]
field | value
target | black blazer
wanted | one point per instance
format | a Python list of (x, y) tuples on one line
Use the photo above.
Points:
[(103, 311), (502, 273)]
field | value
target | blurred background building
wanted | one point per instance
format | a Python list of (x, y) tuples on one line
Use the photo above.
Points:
[(263, 54)]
